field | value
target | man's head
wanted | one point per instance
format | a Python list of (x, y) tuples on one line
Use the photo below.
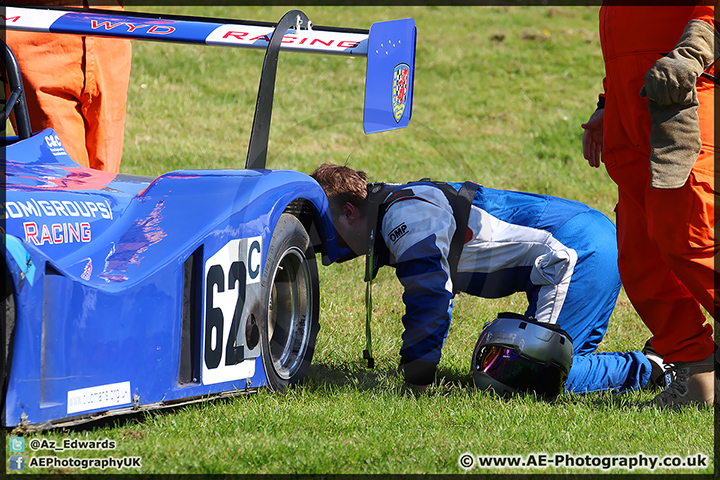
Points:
[(346, 190), (342, 184)]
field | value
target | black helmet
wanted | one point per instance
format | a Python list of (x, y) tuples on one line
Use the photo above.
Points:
[(518, 354)]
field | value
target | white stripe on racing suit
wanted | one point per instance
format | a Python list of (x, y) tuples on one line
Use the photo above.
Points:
[(500, 256), (495, 245), (562, 253)]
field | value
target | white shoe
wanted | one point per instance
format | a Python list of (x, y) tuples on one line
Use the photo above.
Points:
[(662, 373)]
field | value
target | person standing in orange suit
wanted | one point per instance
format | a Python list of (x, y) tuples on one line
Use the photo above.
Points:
[(77, 85), (654, 131)]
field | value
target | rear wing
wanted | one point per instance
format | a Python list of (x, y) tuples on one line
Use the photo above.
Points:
[(389, 48)]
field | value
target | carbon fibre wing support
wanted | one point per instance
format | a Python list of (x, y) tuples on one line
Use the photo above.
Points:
[(389, 48), (260, 135)]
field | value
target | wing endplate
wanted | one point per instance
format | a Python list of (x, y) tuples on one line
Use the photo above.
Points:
[(390, 75)]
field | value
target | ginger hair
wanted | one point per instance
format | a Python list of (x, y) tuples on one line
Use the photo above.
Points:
[(342, 184)]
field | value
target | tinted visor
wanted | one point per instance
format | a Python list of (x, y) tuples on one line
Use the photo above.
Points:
[(519, 373)]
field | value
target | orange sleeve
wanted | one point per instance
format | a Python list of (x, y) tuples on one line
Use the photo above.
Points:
[(706, 13)]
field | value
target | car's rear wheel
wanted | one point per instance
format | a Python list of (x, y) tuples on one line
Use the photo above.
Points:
[(290, 305)]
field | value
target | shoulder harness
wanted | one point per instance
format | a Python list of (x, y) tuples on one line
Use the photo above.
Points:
[(380, 196)]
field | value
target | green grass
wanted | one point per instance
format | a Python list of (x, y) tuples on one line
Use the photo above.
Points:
[(500, 96), (368, 424)]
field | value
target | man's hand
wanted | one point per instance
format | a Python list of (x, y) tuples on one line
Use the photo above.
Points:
[(593, 138), (671, 81)]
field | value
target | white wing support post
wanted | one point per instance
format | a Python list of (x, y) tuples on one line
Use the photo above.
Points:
[(390, 67)]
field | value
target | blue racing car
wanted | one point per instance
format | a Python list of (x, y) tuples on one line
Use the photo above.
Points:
[(125, 293)]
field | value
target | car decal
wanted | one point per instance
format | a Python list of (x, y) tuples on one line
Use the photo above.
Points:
[(101, 396), (232, 290), (125, 25)]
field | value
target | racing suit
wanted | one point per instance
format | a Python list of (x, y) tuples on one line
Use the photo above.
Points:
[(665, 236), (77, 86), (560, 252)]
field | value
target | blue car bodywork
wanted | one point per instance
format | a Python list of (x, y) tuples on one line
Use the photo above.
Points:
[(99, 269), (128, 293)]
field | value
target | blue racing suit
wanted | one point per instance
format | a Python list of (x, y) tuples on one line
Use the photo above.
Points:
[(562, 253)]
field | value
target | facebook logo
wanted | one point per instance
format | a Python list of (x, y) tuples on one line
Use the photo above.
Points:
[(17, 462)]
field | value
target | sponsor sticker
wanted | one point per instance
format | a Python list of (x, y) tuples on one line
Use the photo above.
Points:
[(398, 232), (55, 145), (102, 396)]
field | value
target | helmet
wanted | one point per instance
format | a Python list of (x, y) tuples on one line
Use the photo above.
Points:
[(519, 354)]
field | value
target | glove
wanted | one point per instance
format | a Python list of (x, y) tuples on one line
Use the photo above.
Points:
[(672, 78), (672, 103), (675, 143)]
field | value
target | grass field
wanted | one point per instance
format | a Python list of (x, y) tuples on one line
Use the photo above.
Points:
[(500, 93)]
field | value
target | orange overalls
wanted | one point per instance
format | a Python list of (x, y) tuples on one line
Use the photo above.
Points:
[(666, 241), (77, 86)]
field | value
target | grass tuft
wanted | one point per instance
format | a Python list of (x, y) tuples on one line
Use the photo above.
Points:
[(500, 93)]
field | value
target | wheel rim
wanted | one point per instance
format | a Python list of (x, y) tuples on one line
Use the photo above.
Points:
[(289, 313)]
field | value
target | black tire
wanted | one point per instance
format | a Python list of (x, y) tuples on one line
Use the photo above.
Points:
[(290, 305)]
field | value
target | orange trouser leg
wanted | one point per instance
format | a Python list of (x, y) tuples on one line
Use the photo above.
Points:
[(682, 220), (690, 252), (662, 280), (78, 87), (53, 80), (104, 101), (664, 302)]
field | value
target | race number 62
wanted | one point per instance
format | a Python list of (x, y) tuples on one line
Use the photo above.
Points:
[(232, 277)]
